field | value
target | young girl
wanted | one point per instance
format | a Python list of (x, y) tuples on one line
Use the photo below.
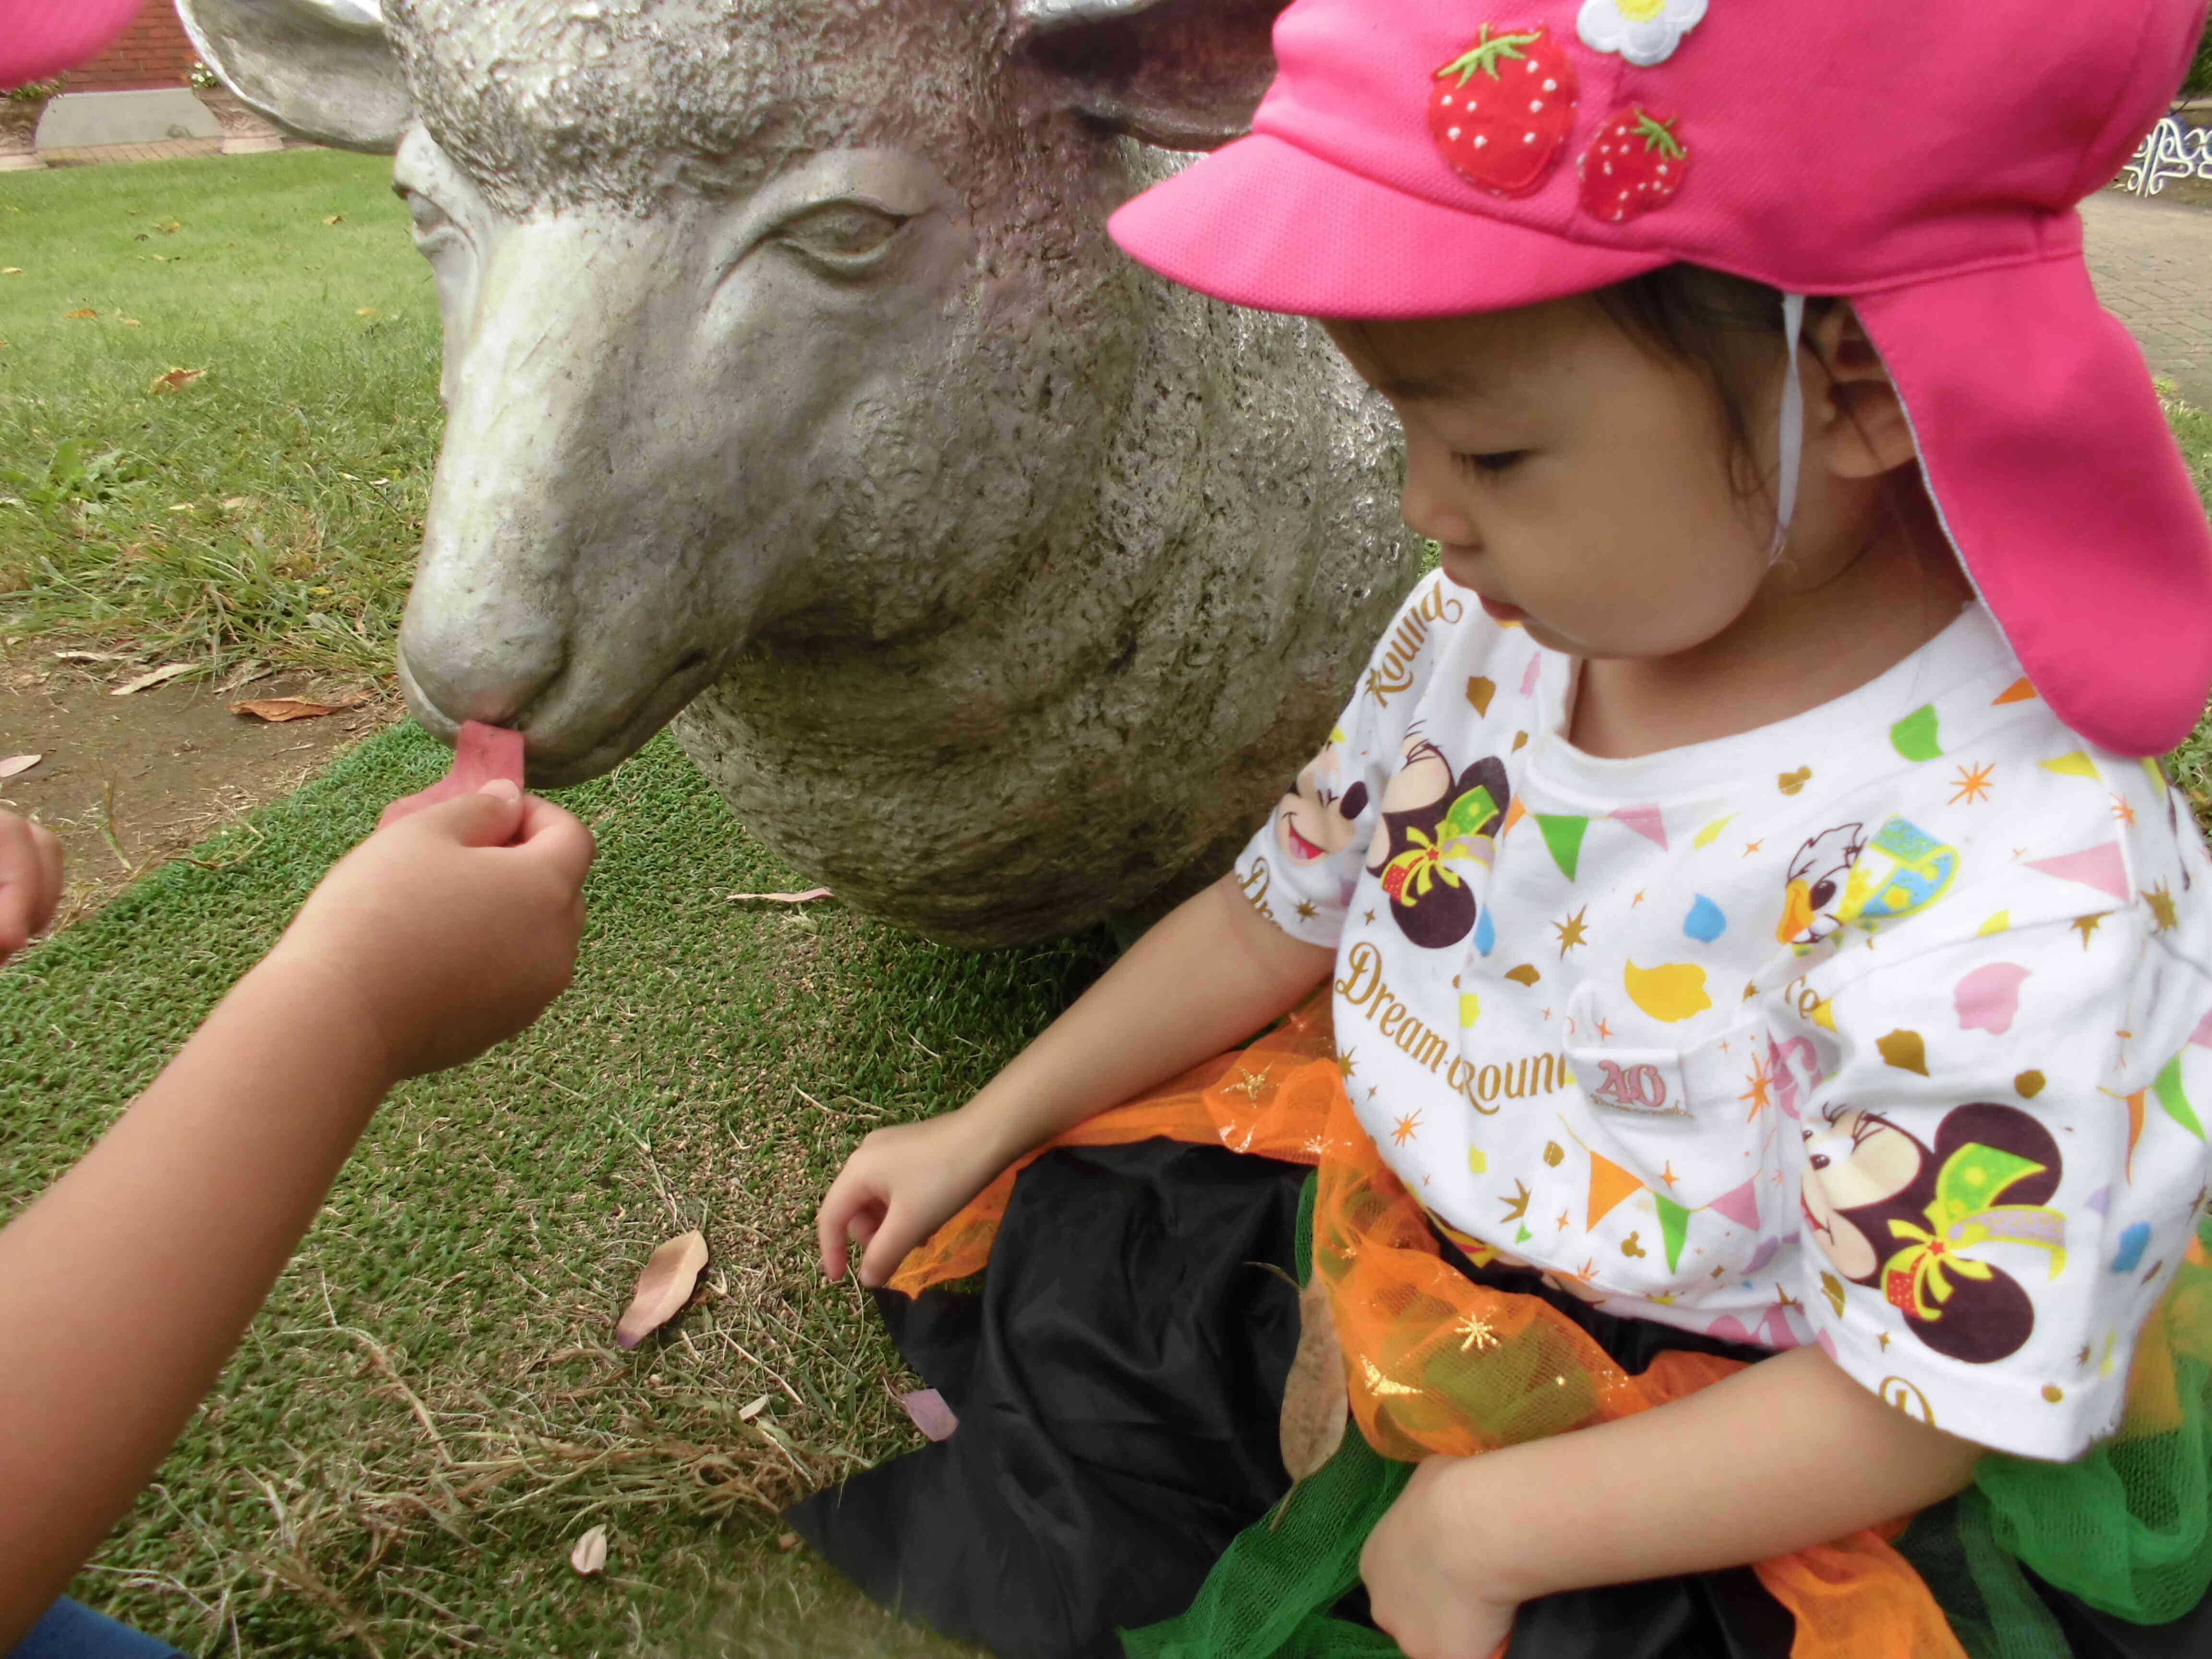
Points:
[(1751, 934)]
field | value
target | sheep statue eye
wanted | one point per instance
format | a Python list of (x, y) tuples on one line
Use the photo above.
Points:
[(844, 236)]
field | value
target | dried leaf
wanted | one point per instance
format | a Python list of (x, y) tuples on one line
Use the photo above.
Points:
[(11, 270), (663, 1288), (277, 710), (95, 656), (160, 676), (930, 1413), (806, 897), (334, 218), (128, 322), (752, 1408), (1316, 1403), (14, 765), (590, 1555), (175, 378), (79, 313)]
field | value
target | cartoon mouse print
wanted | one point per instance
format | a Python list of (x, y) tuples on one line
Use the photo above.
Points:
[(1435, 825), (1892, 1212)]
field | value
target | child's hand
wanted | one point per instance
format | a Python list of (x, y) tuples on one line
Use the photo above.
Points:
[(1425, 1585), (30, 881), (900, 1185), (448, 939)]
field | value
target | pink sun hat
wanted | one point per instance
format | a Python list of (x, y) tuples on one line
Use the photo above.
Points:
[(39, 38), (1419, 158)]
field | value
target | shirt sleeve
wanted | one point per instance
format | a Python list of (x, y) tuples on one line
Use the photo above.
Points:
[(1300, 868), (2000, 1171)]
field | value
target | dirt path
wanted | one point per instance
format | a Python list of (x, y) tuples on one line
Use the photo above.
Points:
[(129, 782)]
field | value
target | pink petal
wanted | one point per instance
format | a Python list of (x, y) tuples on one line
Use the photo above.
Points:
[(930, 1413)]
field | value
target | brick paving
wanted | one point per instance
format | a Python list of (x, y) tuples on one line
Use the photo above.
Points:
[(168, 150), (2152, 263)]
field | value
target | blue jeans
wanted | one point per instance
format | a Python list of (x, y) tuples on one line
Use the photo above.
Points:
[(72, 1631)]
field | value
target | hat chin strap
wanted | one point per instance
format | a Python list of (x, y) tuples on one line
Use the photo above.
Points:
[(1793, 424)]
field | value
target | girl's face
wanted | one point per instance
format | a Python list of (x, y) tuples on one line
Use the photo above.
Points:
[(1577, 483)]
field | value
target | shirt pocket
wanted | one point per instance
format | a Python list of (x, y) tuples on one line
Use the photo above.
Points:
[(1683, 1147)]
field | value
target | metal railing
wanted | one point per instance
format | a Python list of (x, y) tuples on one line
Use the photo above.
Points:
[(2171, 151)]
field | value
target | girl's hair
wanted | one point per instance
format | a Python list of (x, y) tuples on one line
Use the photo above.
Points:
[(1728, 328)]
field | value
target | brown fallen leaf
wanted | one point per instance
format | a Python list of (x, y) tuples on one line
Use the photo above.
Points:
[(1316, 1403), (334, 218), (95, 656), (79, 313), (11, 270), (663, 1288), (175, 378), (160, 676), (277, 710), (16, 765), (128, 322), (590, 1555), (752, 1408), (806, 897)]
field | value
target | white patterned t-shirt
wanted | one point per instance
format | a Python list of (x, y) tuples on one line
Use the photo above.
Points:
[(1887, 1026)]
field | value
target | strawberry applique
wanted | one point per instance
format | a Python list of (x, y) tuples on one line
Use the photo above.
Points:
[(1635, 164), (1503, 109)]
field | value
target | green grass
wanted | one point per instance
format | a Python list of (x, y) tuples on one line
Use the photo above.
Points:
[(268, 510), (712, 1066), (2192, 764)]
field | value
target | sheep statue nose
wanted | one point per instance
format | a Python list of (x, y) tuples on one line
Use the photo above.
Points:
[(458, 667)]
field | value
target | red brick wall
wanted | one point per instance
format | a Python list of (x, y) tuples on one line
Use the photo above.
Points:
[(154, 51)]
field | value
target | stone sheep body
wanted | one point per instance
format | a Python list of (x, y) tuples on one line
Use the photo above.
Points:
[(795, 394)]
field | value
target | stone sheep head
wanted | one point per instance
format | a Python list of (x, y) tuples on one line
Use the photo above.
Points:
[(793, 383)]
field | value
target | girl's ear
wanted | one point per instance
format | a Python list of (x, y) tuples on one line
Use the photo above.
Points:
[(1854, 422)]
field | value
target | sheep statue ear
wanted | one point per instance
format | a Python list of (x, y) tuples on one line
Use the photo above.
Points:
[(322, 68), (1181, 74)]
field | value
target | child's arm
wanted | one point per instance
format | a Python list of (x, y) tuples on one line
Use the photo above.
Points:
[(1214, 972), (1785, 1454), (125, 1285)]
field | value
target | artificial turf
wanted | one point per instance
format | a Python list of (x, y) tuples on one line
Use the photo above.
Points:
[(431, 1408)]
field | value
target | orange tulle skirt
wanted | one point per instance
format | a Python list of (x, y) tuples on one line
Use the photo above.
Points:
[(1436, 1364)]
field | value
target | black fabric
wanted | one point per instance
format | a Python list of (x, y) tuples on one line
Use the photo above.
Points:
[(2094, 1635), (1118, 1381)]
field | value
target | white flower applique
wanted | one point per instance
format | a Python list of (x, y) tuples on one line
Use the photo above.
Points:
[(1645, 32)]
